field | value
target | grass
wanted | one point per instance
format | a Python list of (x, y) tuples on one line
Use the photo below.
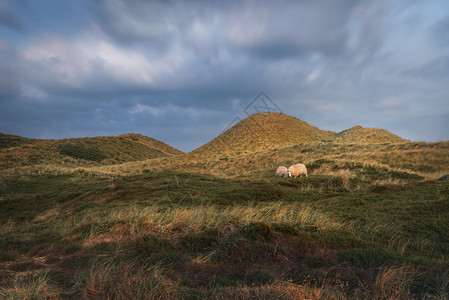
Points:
[(129, 217), (259, 132), (382, 163), (31, 287), (80, 152), (183, 235)]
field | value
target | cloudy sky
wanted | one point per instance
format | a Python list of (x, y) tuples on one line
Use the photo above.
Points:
[(181, 71)]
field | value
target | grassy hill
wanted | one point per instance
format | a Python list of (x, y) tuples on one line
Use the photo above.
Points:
[(254, 146), (261, 132), (358, 134), (8, 141), (132, 218), (18, 151), (346, 161)]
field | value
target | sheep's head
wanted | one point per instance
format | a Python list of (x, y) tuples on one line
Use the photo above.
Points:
[(289, 174)]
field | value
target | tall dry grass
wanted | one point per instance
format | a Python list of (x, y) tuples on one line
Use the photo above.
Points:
[(104, 279), (153, 219), (394, 282), (30, 287), (283, 290)]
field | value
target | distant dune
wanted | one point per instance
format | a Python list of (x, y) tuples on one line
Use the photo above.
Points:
[(358, 134), (267, 131), (261, 132), (19, 151)]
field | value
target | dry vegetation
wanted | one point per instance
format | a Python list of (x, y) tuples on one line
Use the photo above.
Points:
[(261, 132), (180, 235), (85, 152), (129, 217), (255, 146)]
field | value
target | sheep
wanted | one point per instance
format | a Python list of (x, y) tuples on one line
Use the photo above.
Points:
[(297, 170), (282, 171)]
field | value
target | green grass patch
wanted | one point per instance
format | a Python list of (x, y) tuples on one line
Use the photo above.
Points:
[(80, 152)]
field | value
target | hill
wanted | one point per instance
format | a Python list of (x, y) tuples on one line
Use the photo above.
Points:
[(8, 141), (261, 132), (257, 145), (19, 151), (358, 134), (253, 148)]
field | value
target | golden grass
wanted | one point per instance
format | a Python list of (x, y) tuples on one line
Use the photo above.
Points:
[(47, 214), (131, 282), (394, 282), (357, 134), (31, 287), (284, 290), (260, 132), (6, 227), (133, 222), (105, 280), (430, 160)]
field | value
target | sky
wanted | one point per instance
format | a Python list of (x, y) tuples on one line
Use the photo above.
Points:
[(184, 71)]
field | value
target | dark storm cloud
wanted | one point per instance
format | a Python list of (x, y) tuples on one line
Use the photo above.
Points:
[(195, 47), (274, 29), (8, 17), (9, 86)]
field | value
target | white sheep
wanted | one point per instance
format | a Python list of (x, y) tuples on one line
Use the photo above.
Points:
[(297, 170), (282, 171)]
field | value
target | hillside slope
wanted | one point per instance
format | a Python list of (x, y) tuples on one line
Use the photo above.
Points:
[(255, 146), (259, 144), (18, 151), (8, 141), (261, 132), (358, 134)]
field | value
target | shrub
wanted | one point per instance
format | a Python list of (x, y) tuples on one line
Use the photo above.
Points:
[(79, 152)]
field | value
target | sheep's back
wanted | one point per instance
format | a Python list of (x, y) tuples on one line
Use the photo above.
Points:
[(298, 169)]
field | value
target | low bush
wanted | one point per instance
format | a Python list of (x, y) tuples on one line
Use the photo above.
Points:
[(80, 152)]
